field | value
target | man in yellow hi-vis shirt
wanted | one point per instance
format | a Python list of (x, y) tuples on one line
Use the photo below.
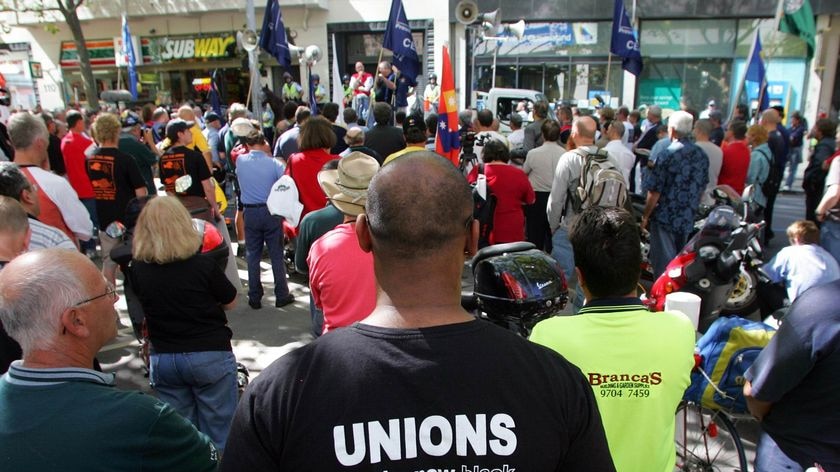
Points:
[(638, 363)]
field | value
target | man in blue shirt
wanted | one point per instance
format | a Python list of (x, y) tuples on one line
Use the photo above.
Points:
[(793, 387), (800, 266), (675, 185), (257, 171)]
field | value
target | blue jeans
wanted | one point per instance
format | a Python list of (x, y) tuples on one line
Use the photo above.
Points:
[(362, 103), (664, 246), (201, 386), (317, 316), (263, 228), (830, 238), (794, 158), (90, 206), (561, 251), (769, 458)]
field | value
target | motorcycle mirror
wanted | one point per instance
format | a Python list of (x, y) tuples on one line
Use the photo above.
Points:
[(183, 183), (115, 230), (749, 193)]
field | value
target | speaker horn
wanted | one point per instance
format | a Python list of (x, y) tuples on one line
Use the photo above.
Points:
[(466, 12), (297, 50), (516, 29), (247, 40), (492, 17), (312, 54)]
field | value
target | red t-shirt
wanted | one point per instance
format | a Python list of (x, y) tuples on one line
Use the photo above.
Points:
[(736, 163), (303, 168), (73, 147), (341, 277), (512, 190)]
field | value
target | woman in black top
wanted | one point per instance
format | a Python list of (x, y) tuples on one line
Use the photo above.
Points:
[(184, 296)]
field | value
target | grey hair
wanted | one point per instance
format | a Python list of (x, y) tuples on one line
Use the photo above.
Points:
[(29, 316), (655, 110), (681, 122), (237, 110), (703, 127), (25, 128)]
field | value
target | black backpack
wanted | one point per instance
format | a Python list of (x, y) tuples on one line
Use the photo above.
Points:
[(483, 210), (771, 183)]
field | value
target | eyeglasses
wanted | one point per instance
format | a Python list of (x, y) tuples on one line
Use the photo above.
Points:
[(110, 292)]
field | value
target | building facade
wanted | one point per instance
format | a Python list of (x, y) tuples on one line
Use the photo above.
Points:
[(694, 50)]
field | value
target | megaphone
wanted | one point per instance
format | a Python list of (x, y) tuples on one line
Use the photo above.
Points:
[(247, 39), (296, 50), (312, 54), (466, 12), (492, 17), (517, 29)]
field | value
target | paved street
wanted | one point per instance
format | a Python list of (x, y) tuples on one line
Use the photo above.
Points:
[(261, 336)]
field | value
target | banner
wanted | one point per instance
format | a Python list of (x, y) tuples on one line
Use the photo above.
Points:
[(273, 35), (337, 86), (447, 138), (797, 18), (625, 42), (398, 40), (130, 58)]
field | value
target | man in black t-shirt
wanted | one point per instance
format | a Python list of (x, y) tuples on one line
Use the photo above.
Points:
[(180, 160), (116, 179), (419, 383)]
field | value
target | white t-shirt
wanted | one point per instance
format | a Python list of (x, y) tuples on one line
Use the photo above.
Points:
[(626, 160)]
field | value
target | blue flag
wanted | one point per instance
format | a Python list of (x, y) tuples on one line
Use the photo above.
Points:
[(398, 39), (313, 104), (625, 42), (130, 58), (273, 35), (757, 74), (213, 94)]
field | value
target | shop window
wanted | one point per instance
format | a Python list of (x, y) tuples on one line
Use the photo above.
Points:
[(691, 83), (365, 48), (774, 43)]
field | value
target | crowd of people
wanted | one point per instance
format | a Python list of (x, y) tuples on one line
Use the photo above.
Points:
[(381, 227)]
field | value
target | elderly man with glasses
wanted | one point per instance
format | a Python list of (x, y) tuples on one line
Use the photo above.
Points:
[(56, 413)]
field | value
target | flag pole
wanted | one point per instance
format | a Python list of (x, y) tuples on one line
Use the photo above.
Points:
[(609, 66), (743, 78)]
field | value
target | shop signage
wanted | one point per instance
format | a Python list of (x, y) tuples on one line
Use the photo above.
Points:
[(545, 38), (185, 48), (101, 53), (663, 92)]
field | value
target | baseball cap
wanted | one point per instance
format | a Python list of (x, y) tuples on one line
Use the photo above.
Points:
[(211, 116), (414, 121), (176, 126), (130, 119)]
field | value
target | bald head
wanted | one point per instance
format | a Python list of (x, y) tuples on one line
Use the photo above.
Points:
[(417, 206), (186, 113), (583, 130), (37, 287), (770, 117)]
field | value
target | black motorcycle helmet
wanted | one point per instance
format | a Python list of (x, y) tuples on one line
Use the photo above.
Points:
[(519, 286)]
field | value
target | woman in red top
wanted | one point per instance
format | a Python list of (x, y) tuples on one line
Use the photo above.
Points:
[(316, 139), (512, 189)]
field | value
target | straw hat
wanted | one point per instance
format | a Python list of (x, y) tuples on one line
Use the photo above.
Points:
[(347, 186)]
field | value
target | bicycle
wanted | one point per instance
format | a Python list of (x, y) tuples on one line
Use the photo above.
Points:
[(706, 439)]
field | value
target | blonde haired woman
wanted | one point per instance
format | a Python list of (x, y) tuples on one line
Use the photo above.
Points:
[(184, 296), (761, 158)]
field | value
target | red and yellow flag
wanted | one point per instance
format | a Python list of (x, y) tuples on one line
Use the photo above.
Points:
[(447, 139)]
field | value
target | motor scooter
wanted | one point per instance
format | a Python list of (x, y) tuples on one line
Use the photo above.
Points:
[(515, 286), (720, 264)]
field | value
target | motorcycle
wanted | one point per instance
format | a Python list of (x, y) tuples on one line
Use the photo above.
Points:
[(515, 286), (720, 264)]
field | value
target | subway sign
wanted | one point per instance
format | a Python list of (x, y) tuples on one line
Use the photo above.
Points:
[(187, 48)]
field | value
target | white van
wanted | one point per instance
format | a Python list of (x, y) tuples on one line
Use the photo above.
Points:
[(503, 101)]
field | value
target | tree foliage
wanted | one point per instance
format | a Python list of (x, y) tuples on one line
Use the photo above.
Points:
[(69, 10)]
